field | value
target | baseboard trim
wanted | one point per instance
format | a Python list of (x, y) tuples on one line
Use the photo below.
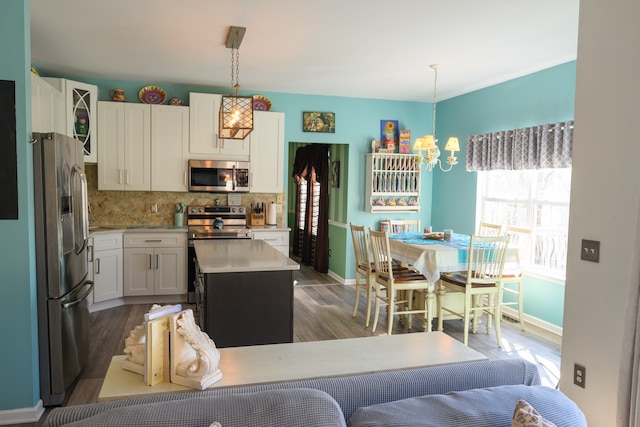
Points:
[(22, 415), (537, 326), (335, 276)]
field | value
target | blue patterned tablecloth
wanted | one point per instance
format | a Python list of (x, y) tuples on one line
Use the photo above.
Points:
[(458, 241)]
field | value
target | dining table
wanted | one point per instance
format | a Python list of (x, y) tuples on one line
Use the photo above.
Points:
[(433, 256)]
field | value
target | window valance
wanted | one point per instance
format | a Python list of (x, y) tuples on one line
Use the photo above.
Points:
[(537, 147)]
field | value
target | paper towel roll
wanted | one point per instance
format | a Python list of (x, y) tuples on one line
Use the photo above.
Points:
[(271, 214)]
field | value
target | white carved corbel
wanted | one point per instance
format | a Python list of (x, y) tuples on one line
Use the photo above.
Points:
[(195, 360)]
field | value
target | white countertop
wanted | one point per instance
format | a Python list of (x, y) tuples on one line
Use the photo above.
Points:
[(304, 360), (269, 227), (240, 255), (94, 229)]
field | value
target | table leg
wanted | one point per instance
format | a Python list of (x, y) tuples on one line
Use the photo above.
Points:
[(430, 298)]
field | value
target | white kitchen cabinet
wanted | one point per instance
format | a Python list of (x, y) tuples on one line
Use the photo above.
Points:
[(204, 109), (155, 263), (169, 147), (267, 153), (144, 148), (125, 151), (392, 183), (278, 238), (47, 107), (107, 266), (80, 113)]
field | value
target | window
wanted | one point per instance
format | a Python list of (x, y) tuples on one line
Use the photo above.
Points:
[(536, 199)]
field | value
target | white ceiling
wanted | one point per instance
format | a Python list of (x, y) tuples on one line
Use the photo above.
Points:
[(356, 48)]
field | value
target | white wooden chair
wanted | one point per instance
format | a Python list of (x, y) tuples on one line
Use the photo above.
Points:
[(489, 229), (483, 278), (395, 281), (404, 225), (364, 267), (520, 238)]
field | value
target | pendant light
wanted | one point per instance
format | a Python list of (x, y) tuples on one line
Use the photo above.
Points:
[(428, 142), (236, 112)]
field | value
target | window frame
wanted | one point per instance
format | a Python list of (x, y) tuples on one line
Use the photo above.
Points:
[(532, 202)]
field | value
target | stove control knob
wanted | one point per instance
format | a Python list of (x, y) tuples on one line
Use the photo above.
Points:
[(233, 210)]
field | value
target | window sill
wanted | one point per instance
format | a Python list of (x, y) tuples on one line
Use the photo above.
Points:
[(545, 275)]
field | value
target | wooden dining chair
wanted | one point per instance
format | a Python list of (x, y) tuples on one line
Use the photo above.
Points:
[(404, 225), (481, 285), (364, 267), (396, 282), (489, 229), (521, 239)]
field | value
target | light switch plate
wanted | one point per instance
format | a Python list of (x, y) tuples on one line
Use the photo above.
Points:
[(590, 250)]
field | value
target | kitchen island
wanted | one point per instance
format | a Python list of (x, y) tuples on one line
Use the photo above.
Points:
[(247, 288)]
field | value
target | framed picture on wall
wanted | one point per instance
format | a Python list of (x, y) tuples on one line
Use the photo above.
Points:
[(389, 135), (335, 174), (318, 122)]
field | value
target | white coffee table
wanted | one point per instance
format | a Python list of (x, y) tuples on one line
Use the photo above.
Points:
[(304, 360)]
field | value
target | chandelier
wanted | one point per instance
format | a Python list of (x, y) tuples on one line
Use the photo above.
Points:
[(236, 112), (428, 142)]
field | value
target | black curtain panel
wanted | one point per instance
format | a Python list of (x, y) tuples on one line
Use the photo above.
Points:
[(311, 239), (8, 153)]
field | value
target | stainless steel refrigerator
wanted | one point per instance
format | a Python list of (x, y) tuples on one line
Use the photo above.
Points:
[(63, 285)]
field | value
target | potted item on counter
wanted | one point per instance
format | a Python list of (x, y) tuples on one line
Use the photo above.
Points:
[(178, 215)]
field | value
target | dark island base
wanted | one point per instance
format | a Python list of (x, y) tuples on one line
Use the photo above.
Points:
[(249, 308)]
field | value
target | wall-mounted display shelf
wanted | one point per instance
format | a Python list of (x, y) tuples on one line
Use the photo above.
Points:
[(392, 183)]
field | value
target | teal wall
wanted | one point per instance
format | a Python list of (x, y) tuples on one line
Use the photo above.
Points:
[(19, 384), (544, 97)]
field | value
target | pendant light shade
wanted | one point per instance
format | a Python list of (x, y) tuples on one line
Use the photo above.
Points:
[(236, 117), (236, 112)]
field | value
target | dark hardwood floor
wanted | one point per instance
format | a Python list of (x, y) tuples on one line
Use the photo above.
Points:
[(322, 311)]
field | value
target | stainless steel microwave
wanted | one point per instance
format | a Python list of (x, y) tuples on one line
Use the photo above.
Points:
[(218, 176)]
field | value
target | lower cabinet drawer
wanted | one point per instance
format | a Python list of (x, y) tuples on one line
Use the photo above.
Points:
[(154, 240)]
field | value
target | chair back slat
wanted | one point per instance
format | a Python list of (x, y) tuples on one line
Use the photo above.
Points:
[(381, 252), (489, 229), (487, 255), (404, 225), (361, 246), (521, 238)]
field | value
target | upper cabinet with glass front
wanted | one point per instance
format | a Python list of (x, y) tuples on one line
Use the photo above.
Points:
[(80, 105)]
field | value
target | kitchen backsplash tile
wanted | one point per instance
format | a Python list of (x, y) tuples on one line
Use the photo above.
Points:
[(134, 207)]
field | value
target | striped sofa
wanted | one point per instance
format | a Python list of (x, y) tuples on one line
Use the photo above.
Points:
[(473, 394)]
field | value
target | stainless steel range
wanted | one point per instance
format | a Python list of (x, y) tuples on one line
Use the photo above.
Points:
[(217, 222), (206, 222)]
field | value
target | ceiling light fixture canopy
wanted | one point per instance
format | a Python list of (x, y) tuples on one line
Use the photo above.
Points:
[(428, 142), (236, 112)]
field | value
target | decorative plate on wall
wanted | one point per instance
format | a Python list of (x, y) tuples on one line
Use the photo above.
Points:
[(152, 95), (261, 103)]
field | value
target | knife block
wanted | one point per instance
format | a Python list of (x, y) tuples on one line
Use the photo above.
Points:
[(257, 218)]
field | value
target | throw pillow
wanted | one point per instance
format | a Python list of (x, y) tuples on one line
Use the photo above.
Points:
[(526, 416)]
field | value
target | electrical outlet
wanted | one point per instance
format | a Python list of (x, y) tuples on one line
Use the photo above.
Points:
[(579, 375), (278, 207), (590, 250), (329, 252), (154, 208)]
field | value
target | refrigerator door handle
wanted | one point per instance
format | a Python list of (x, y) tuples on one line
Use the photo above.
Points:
[(81, 297), (81, 221)]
